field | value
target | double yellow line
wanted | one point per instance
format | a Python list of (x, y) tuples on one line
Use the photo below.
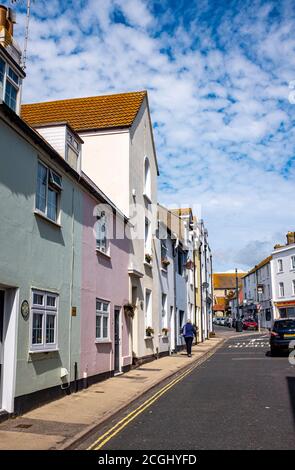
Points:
[(112, 432)]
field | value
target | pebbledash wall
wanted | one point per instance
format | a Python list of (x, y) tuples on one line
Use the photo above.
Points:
[(104, 277)]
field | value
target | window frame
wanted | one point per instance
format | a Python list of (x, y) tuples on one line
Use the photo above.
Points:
[(292, 262), (293, 286), (280, 265), (44, 310), (51, 184), (102, 314), (281, 290), (101, 219)]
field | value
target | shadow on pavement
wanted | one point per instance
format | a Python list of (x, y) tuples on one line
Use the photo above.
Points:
[(291, 387)]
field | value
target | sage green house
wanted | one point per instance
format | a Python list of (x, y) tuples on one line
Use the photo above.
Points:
[(40, 266)]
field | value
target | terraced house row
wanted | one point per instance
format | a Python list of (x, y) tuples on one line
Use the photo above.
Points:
[(96, 277)]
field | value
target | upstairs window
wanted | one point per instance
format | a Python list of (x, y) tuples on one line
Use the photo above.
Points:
[(49, 185), (101, 232), (281, 289), (11, 95), (2, 72), (147, 179), (292, 262), (280, 265), (72, 151)]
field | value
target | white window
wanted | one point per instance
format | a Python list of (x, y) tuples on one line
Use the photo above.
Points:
[(72, 151), (293, 284), (164, 311), (49, 185), (147, 178), (281, 290), (44, 321), (280, 265), (102, 320), (147, 237), (101, 232), (293, 262), (2, 73), (11, 89), (148, 309)]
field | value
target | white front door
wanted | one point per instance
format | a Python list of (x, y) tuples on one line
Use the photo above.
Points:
[(2, 296)]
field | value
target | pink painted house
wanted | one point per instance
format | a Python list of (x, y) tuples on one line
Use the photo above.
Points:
[(105, 327)]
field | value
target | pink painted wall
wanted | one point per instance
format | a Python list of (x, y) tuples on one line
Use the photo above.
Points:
[(107, 279)]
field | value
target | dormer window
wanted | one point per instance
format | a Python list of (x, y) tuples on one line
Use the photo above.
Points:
[(9, 85), (72, 151)]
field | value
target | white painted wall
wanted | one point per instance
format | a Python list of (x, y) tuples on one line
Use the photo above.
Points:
[(287, 276), (56, 136), (106, 161)]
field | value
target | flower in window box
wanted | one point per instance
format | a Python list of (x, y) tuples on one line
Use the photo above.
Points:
[(149, 331), (165, 262), (165, 331), (129, 309), (148, 258), (189, 264)]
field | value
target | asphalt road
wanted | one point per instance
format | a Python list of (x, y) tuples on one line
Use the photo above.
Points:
[(240, 398)]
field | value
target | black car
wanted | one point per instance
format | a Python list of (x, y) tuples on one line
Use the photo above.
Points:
[(282, 333)]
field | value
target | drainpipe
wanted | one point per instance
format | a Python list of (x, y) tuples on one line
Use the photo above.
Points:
[(72, 284), (201, 290)]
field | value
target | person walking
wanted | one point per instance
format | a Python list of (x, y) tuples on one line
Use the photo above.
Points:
[(189, 331)]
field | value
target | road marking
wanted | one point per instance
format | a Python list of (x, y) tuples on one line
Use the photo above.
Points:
[(118, 427)]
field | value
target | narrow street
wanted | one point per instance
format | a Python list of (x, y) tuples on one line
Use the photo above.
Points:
[(240, 398)]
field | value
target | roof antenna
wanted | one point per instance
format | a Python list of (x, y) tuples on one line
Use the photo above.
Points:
[(28, 14), (24, 55)]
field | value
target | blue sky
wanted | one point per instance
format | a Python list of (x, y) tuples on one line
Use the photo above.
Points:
[(218, 75)]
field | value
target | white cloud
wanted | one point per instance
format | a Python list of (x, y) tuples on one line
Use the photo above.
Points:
[(218, 90)]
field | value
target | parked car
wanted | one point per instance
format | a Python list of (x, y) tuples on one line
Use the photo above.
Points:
[(222, 321), (282, 333), (250, 324)]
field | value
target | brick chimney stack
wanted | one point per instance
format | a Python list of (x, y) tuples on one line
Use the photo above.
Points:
[(290, 238)]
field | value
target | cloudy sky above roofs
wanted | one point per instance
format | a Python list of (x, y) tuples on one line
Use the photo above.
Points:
[(218, 75)]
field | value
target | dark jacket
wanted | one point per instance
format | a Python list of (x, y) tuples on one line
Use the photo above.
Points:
[(189, 330)]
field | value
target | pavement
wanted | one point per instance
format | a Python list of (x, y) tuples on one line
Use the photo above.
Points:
[(240, 398), (63, 423)]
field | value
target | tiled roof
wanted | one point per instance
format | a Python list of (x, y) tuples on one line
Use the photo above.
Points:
[(226, 280), (97, 112), (259, 265)]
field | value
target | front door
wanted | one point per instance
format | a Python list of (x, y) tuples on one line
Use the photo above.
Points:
[(117, 337), (1, 341)]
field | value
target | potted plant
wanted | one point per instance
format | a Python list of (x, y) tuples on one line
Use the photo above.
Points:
[(129, 309), (165, 262), (148, 257), (165, 331), (149, 331)]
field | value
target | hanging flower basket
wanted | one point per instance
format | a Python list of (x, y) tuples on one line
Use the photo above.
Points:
[(149, 331), (148, 258), (129, 309)]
